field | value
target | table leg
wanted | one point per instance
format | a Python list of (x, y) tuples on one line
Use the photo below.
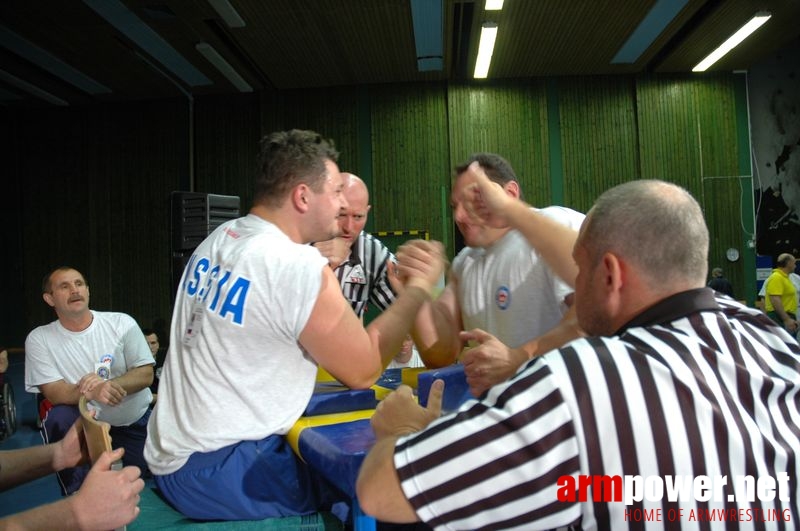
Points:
[(361, 521)]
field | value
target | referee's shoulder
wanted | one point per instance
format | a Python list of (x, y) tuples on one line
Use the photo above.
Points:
[(369, 237), (590, 346)]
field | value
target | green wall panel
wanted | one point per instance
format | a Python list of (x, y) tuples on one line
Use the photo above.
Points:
[(409, 158), (332, 112), (509, 119), (108, 169), (689, 135), (94, 196), (598, 137), (226, 125)]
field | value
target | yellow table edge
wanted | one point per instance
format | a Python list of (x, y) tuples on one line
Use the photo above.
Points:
[(293, 436)]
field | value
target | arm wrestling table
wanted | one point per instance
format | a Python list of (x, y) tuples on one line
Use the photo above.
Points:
[(334, 434)]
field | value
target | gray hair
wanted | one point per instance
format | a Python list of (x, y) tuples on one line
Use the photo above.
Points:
[(655, 225)]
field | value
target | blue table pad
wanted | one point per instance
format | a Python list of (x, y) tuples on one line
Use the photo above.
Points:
[(456, 390), (337, 451), (338, 399)]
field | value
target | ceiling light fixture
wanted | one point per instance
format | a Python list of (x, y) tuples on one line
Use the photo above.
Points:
[(485, 49), (126, 22), (493, 5), (49, 62), (226, 11), (652, 25), (427, 17), (31, 89), (753, 24), (223, 66)]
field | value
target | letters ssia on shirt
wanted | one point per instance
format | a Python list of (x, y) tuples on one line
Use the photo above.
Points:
[(216, 288)]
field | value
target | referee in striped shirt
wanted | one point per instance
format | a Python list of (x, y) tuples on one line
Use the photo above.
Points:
[(359, 259), (679, 411)]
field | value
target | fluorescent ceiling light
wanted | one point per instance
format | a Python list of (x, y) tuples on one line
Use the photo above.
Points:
[(7, 95), (493, 5), (223, 66), (31, 89), (427, 17), (753, 24), (226, 11), (47, 61), (660, 15), (485, 49), (126, 22)]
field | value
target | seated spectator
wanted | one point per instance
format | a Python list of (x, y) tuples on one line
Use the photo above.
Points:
[(408, 357), (158, 353), (100, 355)]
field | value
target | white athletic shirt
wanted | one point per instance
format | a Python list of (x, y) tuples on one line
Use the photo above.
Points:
[(53, 353), (507, 289), (235, 370)]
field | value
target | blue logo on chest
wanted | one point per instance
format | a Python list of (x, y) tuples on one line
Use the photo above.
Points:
[(502, 297)]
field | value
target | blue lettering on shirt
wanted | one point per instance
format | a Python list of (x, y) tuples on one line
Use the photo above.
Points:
[(220, 284), (187, 269), (234, 302), (217, 285), (199, 268)]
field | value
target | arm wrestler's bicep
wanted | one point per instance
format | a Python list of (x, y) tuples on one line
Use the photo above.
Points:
[(336, 339)]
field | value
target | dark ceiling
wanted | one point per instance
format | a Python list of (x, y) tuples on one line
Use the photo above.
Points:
[(290, 44)]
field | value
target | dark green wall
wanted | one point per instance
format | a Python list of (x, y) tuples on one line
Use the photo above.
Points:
[(90, 186)]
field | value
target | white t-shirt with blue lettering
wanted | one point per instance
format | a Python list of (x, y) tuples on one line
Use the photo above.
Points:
[(235, 369)]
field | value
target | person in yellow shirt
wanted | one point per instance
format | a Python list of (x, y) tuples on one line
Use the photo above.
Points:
[(781, 295)]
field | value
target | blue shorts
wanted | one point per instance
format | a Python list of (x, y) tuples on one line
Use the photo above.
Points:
[(250, 480)]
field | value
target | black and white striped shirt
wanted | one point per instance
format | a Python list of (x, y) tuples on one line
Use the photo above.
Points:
[(694, 386), (363, 276)]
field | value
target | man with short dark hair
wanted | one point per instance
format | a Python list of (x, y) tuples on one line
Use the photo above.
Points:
[(672, 386), (100, 355), (515, 284), (719, 283), (154, 344), (258, 310)]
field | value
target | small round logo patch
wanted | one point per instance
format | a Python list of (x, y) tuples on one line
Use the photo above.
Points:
[(502, 297), (107, 359)]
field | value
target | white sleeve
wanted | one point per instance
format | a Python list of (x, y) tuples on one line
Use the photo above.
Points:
[(39, 366), (135, 349)]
